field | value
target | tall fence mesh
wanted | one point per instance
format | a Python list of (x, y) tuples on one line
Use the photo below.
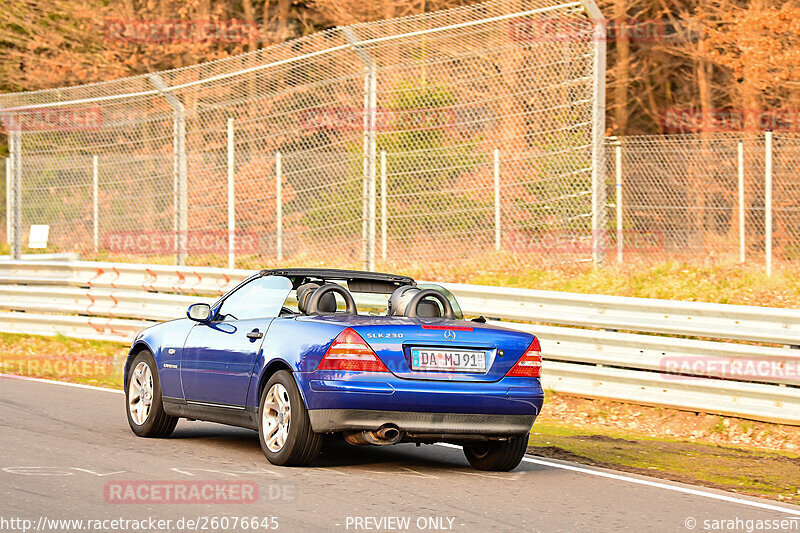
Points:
[(458, 139), (701, 198), (449, 136)]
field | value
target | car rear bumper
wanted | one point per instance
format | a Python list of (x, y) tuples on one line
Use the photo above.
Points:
[(332, 420), (367, 401)]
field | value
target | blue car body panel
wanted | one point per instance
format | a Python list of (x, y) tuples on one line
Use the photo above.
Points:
[(216, 364)]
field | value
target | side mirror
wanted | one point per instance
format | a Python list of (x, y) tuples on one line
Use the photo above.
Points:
[(199, 312)]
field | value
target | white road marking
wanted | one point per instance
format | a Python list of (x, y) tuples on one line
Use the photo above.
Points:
[(541, 462), (188, 472), (98, 474), (65, 383), (404, 471), (655, 484), (505, 476)]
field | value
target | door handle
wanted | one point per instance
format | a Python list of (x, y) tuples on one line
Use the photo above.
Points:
[(255, 334)]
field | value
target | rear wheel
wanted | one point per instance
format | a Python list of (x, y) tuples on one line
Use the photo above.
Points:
[(145, 409), (283, 425), (497, 455)]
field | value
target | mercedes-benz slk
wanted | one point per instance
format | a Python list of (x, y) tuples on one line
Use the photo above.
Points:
[(291, 354)]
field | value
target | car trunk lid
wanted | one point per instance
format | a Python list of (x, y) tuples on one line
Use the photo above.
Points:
[(422, 349)]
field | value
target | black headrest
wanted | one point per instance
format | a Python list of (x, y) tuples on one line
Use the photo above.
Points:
[(304, 292), (428, 309)]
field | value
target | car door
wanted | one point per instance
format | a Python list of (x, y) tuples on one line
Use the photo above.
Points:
[(218, 357)]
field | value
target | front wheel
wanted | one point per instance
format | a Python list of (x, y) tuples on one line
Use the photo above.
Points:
[(284, 428), (497, 455), (145, 409)]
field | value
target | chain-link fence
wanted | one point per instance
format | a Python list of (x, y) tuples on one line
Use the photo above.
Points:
[(467, 134), (468, 138), (705, 198)]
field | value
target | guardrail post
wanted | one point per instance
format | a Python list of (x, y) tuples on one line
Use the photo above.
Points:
[(278, 207), (370, 148), (16, 193), (180, 202), (740, 164), (618, 171), (497, 234), (95, 192), (768, 200), (384, 214), (231, 199)]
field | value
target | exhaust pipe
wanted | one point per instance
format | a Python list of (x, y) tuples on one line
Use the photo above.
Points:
[(383, 436)]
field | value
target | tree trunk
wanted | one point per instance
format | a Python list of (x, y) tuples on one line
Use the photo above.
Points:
[(622, 71)]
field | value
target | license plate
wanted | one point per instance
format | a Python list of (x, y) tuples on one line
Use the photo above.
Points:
[(448, 360)]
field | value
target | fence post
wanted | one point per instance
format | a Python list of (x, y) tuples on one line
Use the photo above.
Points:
[(497, 235), (278, 207), (179, 166), (384, 213), (740, 149), (768, 200), (183, 197), (598, 133), (231, 199), (618, 170), (16, 193), (372, 207), (95, 192), (8, 200), (370, 147)]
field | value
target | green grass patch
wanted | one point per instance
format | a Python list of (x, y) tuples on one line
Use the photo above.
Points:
[(63, 358), (756, 472)]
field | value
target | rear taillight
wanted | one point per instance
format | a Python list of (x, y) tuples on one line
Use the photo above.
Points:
[(349, 352), (530, 364)]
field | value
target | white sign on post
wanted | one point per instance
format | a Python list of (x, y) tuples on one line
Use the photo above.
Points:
[(38, 236)]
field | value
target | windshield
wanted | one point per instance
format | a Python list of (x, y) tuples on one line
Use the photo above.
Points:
[(258, 298)]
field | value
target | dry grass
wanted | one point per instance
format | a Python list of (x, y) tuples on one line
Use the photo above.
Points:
[(731, 284)]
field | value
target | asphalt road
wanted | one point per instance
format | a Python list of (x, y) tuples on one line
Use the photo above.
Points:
[(62, 448)]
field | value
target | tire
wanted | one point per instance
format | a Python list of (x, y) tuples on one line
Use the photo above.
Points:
[(143, 385), (285, 442), (497, 456)]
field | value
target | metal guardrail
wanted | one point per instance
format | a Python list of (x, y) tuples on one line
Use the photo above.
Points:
[(113, 301), (123, 276), (83, 327), (672, 317)]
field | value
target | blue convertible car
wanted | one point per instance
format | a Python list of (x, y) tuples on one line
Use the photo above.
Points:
[(289, 354)]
